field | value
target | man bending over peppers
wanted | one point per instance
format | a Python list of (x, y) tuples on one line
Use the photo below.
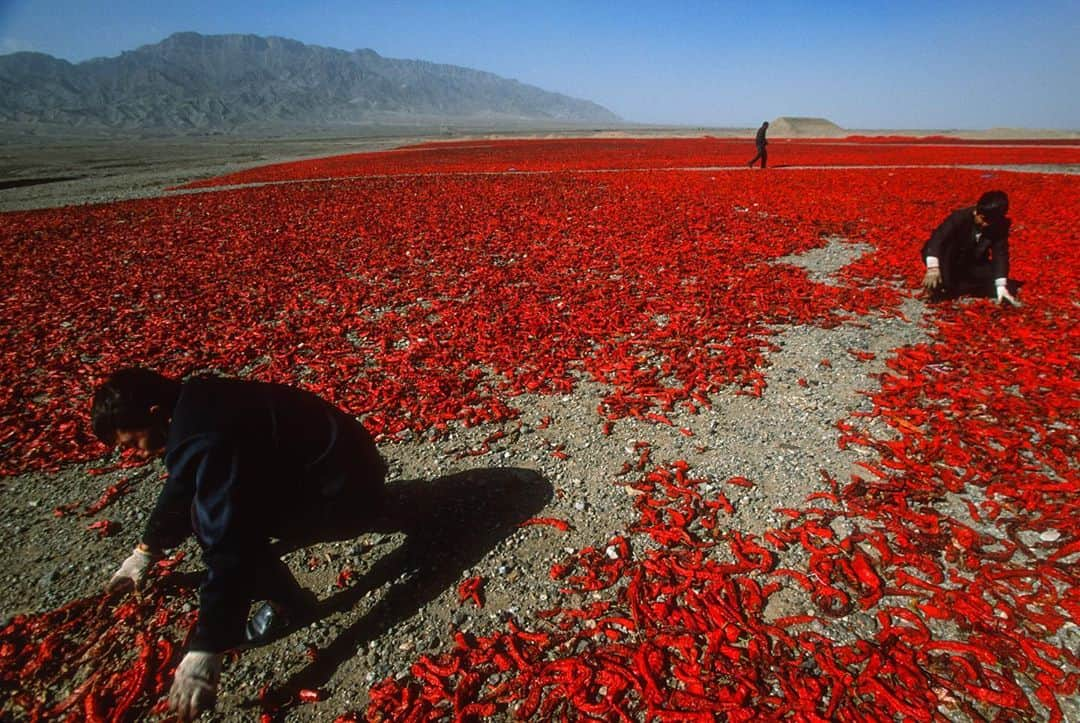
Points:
[(246, 461), (969, 252)]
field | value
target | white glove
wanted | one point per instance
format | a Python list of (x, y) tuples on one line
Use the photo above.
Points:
[(1003, 293), (194, 688), (132, 571), (932, 279)]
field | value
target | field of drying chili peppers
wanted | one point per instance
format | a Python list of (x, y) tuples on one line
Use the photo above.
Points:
[(444, 294)]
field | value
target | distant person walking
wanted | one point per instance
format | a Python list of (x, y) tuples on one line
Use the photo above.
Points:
[(762, 153)]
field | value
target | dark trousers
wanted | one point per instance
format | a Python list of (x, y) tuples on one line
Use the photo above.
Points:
[(960, 277), (356, 508), (762, 154)]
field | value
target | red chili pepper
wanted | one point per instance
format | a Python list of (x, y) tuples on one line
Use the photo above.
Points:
[(472, 588), (558, 524), (111, 493), (104, 528)]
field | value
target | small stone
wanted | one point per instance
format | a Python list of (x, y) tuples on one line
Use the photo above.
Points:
[(48, 578), (1050, 536)]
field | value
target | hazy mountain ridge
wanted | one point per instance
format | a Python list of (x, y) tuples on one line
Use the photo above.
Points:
[(193, 82)]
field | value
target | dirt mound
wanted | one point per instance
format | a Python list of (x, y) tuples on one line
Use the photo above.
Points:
[(802, 127)]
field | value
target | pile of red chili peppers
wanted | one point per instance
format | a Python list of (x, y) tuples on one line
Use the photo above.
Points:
[(420, 302), (99, 658), (682, 636), (563, 154)]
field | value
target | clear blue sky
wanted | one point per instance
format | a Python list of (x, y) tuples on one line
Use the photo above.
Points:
[(862, 64)]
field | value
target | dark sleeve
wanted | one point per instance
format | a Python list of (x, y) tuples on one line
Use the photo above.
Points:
[(936, 246), (999, 251), (230, 545), (170, 521)]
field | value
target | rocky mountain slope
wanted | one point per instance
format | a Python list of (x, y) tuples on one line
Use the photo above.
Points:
[(223, 82)]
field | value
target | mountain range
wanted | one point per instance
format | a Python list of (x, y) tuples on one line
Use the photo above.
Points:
[(193, 82)]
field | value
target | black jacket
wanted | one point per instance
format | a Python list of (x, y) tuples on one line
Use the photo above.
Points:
[(960, 245), (760, 138), (244, 459)]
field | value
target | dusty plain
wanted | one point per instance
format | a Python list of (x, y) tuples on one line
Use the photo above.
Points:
[(45, 169), (380, 625)]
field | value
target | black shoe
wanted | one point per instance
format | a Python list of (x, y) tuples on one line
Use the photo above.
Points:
[(269, 623)]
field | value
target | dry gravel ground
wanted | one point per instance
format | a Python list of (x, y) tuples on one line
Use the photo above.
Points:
[(377, 627), (48, 173), (463, 509), (43, 171)]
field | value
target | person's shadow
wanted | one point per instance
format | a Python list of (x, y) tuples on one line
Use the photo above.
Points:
[(450, 523)]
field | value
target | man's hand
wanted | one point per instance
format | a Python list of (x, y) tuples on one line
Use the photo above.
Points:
[(194, 689), (1004, 295), (132, 572), (932, 279)]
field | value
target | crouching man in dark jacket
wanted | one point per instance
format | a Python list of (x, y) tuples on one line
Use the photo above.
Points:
[(969, 252), (246, 461)]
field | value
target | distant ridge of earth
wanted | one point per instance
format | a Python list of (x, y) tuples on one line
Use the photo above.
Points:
[(804, 127), (193, 82), (810, 127)]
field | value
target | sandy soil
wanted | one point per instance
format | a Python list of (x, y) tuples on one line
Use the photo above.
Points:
[(49, 173)]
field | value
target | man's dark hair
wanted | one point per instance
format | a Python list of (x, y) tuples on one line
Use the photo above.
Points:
[(125, 399), (993, 204)]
